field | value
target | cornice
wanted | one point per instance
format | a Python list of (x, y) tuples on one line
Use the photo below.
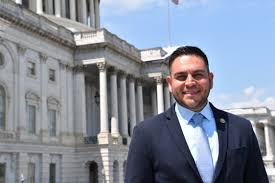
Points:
[(36, 24)]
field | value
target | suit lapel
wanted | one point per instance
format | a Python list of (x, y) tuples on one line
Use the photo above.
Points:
[(176, 133), (221, 119)]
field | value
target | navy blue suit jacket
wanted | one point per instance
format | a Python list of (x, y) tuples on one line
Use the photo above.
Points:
[(158, 152)]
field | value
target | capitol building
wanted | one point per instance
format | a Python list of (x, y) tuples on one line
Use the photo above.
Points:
[(71, 93)]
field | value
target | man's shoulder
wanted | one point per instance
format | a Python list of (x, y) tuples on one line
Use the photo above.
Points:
[(153, 121)]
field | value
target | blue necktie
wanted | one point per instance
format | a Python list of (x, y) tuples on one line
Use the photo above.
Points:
[(202, 154)]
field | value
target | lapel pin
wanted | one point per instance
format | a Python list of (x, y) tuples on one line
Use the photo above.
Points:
[(222, 120)]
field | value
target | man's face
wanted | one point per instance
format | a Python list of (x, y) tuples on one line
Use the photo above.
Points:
[(190, 81)]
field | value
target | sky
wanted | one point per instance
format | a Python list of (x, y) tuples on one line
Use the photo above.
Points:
[(237, 36)]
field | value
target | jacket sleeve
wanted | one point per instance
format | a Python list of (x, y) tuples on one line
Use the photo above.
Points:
[(139, 161), (255, 170)]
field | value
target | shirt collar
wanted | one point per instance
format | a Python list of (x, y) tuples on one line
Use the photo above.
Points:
[(187, 114)]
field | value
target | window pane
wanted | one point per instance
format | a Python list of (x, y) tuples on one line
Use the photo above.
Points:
[(31, 68), (2, 172), (52, 122), (52, 173), (31, 120), (31, 172), (2, 108), (51, 74), (1, 59)]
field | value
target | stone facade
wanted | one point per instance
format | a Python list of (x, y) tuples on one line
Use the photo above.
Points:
[(71, 94), (263, 123)]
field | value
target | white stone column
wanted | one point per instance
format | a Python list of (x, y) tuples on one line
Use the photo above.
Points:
[(154, 101), (103, 97), (21, 82), (140, 113), (83, 12), (22, 164), (114, 105), (70, 100), (45, 167), (63, 101), (72, 10), (92, 13), (49, 7), (132, 104), (159, 94), (259, 132), (39, 8), (124, 111), (44, 94), (57, 8), (63, 7), (32, 5), (97, 16), (268, 140), (166, 97), (80, 103)]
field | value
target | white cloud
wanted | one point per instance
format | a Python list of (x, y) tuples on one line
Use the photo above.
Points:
[(125, 6), (250, 97), (249, 91), (253, 92), (129, 5)]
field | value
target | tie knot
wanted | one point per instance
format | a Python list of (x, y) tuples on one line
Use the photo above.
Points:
[(197, 118)]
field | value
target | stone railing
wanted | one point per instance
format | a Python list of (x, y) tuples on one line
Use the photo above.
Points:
[(6, 135), (104, 36), (250, 111), (152, 54), (34, 22)]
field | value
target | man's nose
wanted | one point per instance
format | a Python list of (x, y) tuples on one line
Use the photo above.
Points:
[(189, 80)]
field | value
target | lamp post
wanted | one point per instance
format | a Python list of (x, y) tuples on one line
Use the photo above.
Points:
[(97, 98)]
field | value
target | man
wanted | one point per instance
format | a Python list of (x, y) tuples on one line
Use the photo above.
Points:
[(194, 142)]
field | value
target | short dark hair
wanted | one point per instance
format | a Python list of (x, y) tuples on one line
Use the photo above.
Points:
[(188, 50)]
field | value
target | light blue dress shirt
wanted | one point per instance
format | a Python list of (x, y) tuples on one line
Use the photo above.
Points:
[(209, 125)]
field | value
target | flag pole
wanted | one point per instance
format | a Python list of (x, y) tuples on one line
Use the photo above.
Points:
[(168, 23)]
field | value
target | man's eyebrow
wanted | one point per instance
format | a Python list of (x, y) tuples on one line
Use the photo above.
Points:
[(180, 73), (184, 72), (201, 70)]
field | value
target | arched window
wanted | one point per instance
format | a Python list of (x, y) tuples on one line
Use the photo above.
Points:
[(2, 108), (116, 172), (53, 111), (93, 172), (32, 102), (1, 59)]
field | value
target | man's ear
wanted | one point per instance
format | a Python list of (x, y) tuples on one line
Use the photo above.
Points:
[(169, 82), (211, 78)]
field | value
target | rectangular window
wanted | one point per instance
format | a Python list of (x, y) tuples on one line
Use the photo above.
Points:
[(52, 173), (31, 172), (2, 112), (2, 172), (31, 69), (31, 118), (51, 74), (52, 122)]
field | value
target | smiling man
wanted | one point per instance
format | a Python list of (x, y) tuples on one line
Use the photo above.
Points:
[(194, 142)]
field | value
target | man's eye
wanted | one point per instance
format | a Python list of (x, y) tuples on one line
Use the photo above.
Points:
[(181, 77), (198, 76)]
